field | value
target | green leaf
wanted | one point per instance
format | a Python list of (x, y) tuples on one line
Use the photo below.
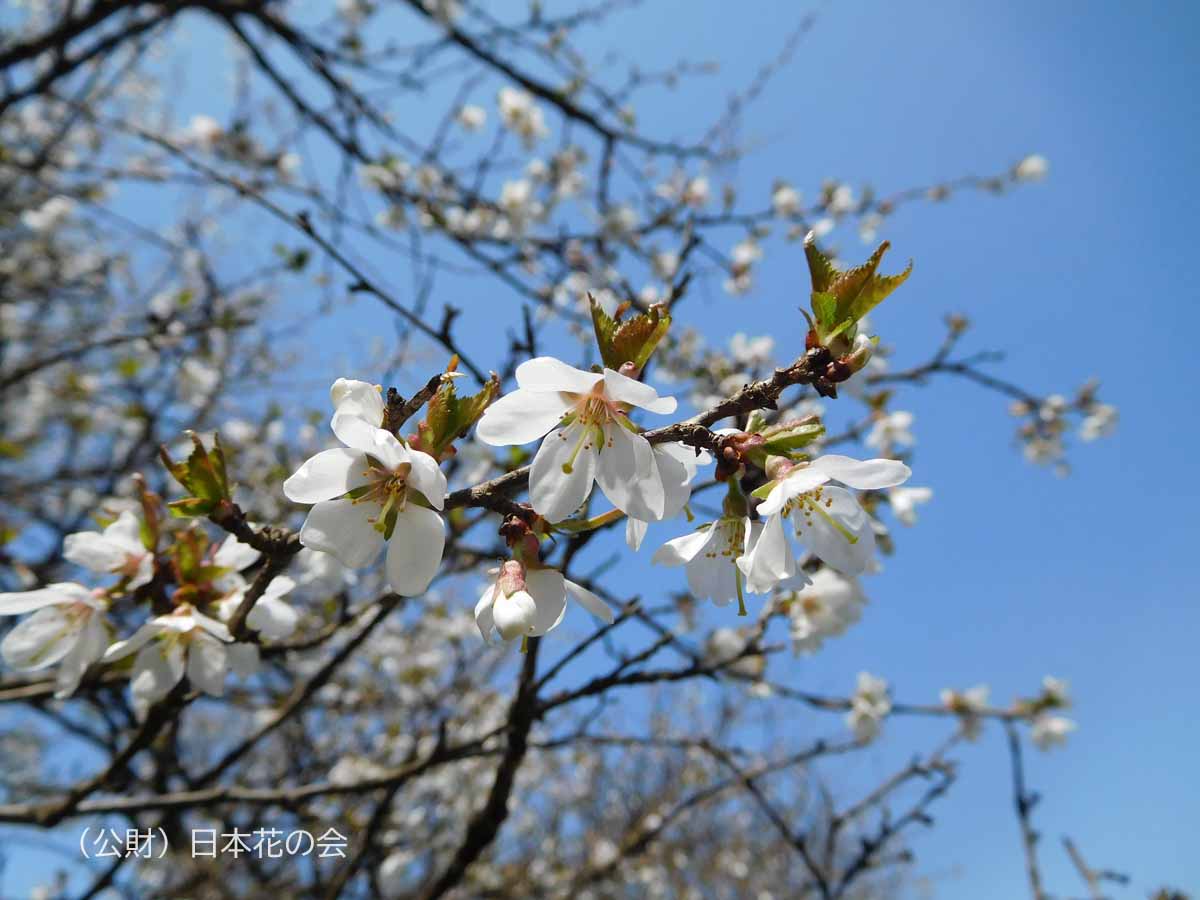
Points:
[(841, 298), (783, 439), (448, 415), (632, 340), (820, 267), (824, 307), (190, 507)]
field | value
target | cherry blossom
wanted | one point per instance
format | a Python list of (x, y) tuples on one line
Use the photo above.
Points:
[(904, 500), (594, 441), (67, 627), (826, 607), (529, 602), (375, 490), (869, 706), (710, 557), (117, 550), (828, 519), (677, 468), (1050, 731), (968, 705)]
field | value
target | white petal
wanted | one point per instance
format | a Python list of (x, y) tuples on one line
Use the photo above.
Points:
[(41, 640), (340, 527), (590, 601), (140, 638), (627, 390), (682, 550), (28, 601), (483, 613), (358, 398), (329, 474), (89, 647), (359, 434), (515, 615), (635, 532), (273, 619), (206, 664), (233, 554), (93, 551), (157, 669), (415, 550), (145, 572), (548, 589), (212, 626), (626, 472), (126, 532), (864, 475), (521, 417), (545, 373), (556, 493), (427, 477), (770, 559), (839, 533)]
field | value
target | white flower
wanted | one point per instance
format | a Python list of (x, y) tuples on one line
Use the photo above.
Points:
[(1100, 421), (204, 131), (1034, 167), (1056, 692), (67, 627), (521, 115), (770, 559), (710, 558), (904, 502), (726, 644), (825, 608), (695, 192), (372, 491), (677, 467), (828, 519), (1049, 731), (50, 215), (472, 118), (892, 429), (869, 706), (524, 602), (594, 440), (968, 705), (167, 647), (271, 616), (117, 550), (785, 200)]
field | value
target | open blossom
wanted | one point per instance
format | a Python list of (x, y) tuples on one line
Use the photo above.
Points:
[(677, 467), (1049, 731), (594, 440), (828, 519), (472, 118), (1034, 167), (373, 491), (825, 608), (968, 705), (67, 627), (118, 550), (271, 616), (184, 641), (521, 115), (523, 602), (892, 429), (716, 556), (785, 200), (769, 560), (1100, 421), (869, 706), (50, 215), (904, 500)]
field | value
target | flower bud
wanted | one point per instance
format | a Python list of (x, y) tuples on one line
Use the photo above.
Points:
[(514, 614)]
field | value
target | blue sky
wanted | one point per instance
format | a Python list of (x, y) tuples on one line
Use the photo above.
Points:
[(1012, 573)]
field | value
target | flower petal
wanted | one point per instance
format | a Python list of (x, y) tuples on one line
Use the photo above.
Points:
[(233, 554), (41, 640), (158, 667), (126, 533), (427, 477), (51, 595), (870, 474), (556, 492), (327, 475), (548, 589), (624, 389), (838, 531), (770, 559), (206, 664), (273, 619), (589, 601), (415, 550), (682, 550), (545, 373), (520, 417), (635, 532), (89, 647), (626, 472), (515, 615), (93, 551), (358, 398), (340, 527), (483, 612)]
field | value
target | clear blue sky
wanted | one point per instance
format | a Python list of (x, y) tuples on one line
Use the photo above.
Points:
[(1012, 573)]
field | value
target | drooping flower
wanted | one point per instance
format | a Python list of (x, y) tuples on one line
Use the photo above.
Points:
[(677, 467), (710, 557), (593, 441), (118, 550), (869, 706), (529, 602), (375, 490), (168, 646), (828, 519), (67, 627), (825, 608), (769, 559)]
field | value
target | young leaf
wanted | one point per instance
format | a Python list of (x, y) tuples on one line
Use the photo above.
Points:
[(631, 340)]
